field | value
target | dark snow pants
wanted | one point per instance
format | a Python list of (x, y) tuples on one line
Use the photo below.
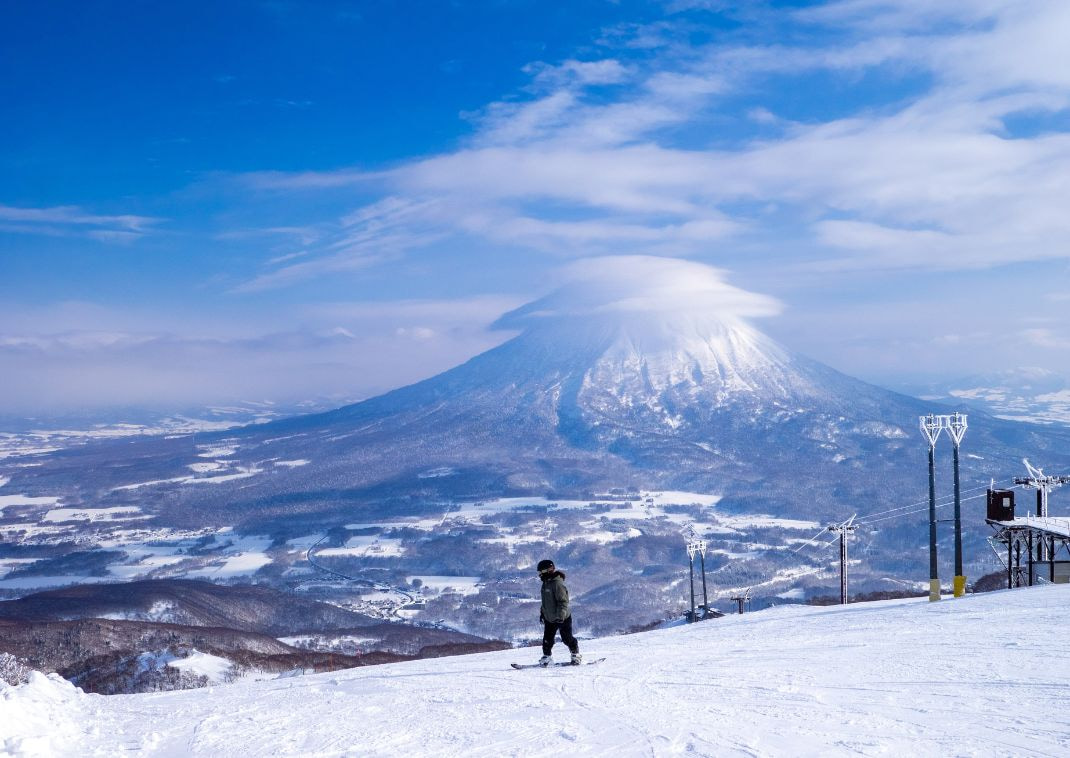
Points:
[(550, 630)]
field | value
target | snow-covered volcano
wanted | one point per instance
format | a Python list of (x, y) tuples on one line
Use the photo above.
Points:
[(635, 372), (667, 328), (645, 374), (651, 346), (661, 340), (669, 371)]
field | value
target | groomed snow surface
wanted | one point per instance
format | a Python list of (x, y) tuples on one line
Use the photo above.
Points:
[(981, 675)]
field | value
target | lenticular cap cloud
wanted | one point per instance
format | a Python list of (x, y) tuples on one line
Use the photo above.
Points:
[(638, 284)]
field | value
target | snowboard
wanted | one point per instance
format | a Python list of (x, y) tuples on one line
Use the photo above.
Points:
[(562, 663)]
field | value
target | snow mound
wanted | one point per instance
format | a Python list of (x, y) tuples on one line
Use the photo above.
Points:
[(214, 667), (41, 717)]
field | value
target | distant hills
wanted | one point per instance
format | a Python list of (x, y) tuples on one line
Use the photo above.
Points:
[(1032, 395), (119, 638)]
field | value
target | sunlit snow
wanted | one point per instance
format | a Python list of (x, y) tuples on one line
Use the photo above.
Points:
[(980, 675)]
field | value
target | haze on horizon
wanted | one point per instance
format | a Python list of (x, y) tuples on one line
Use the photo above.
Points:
[(267, 200)]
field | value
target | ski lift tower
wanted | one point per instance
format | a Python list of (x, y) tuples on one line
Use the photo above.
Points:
[(956, 429), (842, 530), (931, 426), (1043, 484), (743, 600), (1021, 533), (697, 546)]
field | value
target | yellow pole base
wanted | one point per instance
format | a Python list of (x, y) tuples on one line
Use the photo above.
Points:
[(934, 590), (960, 586)]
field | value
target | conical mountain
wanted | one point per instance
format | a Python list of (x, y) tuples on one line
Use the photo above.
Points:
[(636, 372), (647, 376), (635, 375)]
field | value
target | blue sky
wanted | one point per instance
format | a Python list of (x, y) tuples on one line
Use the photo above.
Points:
[(205, 202)]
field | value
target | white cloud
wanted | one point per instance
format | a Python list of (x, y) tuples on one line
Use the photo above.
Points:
[(1046, 338), (378, 232), (416, 332), (898, 15), (607, 235), (305, 235), (71, 220), (449, 316), (641, 285), (928, 326), (606, 71), (345, 349), (933, 181)]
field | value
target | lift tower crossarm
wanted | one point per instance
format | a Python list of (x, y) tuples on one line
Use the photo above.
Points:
[(1042, 483)]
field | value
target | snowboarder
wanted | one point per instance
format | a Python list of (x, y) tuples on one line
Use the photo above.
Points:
[(555, 613)]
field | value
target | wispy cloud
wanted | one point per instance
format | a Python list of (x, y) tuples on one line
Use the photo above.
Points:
[(347, 261), (625, 153), (78, 355), (67, 220), (370, 235), (1047, 339), (305, 235), (308, 180)]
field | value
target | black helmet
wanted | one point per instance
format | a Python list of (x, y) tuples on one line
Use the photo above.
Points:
[(546, 565)]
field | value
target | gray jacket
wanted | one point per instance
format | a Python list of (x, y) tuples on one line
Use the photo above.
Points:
[(555, 606)]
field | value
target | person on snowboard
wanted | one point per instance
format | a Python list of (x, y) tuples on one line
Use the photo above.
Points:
[(555, 613)]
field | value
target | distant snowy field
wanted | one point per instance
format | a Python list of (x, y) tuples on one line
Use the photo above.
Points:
[(221, 554), (982, 675)]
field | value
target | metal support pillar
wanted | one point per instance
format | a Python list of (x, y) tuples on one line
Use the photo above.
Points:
[(695, 545), (1042, 510), (1029, 544), (742, 600), (960, 578), (1017, 563), (931, 427), (691, 566), (956, 428), (842, 530), (843, 568), (1010, 562), (934, 571), (705, 597)]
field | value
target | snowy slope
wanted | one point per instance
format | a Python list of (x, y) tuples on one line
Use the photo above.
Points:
[(982, 675)]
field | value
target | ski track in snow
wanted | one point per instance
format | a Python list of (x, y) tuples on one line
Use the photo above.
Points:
[(982, 675)]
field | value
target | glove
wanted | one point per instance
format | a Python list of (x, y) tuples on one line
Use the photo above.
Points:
[(542, 619)]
